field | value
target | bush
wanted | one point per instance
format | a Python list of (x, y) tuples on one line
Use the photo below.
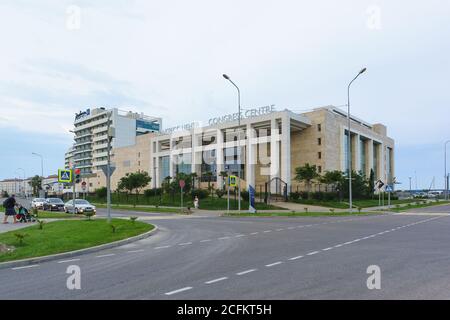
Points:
[(329, 196), (200, 193), (101, 192), (220, 193), (318, 195), (245, 195), (153, 192), (294, 196), (303, 195)]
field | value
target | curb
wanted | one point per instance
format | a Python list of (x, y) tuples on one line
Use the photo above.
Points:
[(25, 262)]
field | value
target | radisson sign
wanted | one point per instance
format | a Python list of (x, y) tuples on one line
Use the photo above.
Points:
[(250, 113)]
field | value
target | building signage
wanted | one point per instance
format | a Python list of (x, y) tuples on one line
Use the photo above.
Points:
[(82, 114), (250, 113), (186, 126)]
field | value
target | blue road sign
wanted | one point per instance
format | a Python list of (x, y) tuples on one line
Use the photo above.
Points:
[(389, 188)]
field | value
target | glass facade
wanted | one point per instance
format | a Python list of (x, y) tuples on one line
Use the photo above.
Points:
[(183, 163), (164, 165)]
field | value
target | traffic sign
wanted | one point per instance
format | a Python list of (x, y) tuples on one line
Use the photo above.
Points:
[(111, 170), (64, 175), (389, 188), (83, 185), (232, 181), (182, 184)]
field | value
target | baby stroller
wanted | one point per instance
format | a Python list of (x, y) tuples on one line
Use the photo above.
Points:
[(24, 215)]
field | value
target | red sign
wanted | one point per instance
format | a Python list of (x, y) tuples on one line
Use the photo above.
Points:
[(77, 171), (182, 184)]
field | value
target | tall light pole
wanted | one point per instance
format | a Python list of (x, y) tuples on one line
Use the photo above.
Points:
[(349, 140), (445, 169), (239, 138)]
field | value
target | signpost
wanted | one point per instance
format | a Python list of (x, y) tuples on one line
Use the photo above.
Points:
[(83, 187), (182, 184), (389, 189)]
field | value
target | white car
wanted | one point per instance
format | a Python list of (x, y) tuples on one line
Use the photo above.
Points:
[(38, 203), (81, 206)]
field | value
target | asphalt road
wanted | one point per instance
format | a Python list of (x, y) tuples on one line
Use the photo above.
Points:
[(256, 258)]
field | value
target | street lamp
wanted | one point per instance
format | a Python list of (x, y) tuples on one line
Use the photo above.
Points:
[(349, 160), (239, 138), (445, 169)]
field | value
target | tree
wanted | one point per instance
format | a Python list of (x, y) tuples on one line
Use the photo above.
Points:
[(134, 181), (209, 175), (224, 175), (335, 178), (307, 173), (36, 184), (101, 192)]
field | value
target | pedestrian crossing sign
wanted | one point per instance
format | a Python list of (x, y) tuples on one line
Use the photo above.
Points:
[(389, 188), (232, 181), (64, 175)]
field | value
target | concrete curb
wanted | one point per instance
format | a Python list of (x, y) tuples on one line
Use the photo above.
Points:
[(29, 261)]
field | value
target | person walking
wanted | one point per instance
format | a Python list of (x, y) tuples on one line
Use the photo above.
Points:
[(9, 205), (196, 202)]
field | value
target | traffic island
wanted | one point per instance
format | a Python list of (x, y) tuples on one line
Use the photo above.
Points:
[(64, 238)]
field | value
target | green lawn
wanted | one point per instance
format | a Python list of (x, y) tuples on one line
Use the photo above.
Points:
[(68, 235), (57, 215), (209, 203), (140, 208), (323, 203), (422, 205), (297, 214)]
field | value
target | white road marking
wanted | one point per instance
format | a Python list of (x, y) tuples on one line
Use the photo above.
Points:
[(25, 267), (274, 264), (223, 238), (311, 253), (279, 229), (184, 243), (133, 251), (326, 249), (176, 291), (216, 280), (338, 245), (295, 258), (253, 233), (162, 247), (265, 231), (239, 235), (245, 272), (206, 240), (71, 260), (106, 255)]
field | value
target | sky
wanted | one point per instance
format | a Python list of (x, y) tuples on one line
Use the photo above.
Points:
[(166, 59)]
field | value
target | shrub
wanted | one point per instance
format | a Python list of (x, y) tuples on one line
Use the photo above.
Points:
[(294, 195), (329, 196), (89, 214), (245, 195), (331, 210), (303, 195), (40, 224), (20, 237), (220, 193), (113, 228), (101, 192), (359, 209), (306, 209), (200, 193), (133, 219), (317, 195), (153, 192)]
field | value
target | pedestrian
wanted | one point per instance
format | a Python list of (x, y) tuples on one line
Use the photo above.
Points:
[(196, 202), (9, 205)]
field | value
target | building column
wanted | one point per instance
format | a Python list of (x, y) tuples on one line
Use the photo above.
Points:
[(250, 164), (356, 154), (369, 160), (286, 151), (194, 156), (219, 157), (274, 152), (381, 165)]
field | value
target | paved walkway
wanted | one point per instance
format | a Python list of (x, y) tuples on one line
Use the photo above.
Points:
[(12, 226)]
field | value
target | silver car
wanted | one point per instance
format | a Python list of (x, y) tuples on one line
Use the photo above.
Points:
[(81, 206), (38, 203)]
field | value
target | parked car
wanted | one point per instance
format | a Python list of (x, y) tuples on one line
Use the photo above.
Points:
[(81, 206), (52, 204), (38, 203)]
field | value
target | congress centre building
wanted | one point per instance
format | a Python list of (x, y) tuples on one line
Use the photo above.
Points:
[(267, 145)]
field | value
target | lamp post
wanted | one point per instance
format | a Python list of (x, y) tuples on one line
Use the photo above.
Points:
[(445, 169), (239, 139), (349, 140)]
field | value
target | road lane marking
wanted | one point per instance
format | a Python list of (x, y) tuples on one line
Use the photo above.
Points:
[(106, 255), (184, 243), (290, 228), (239, 235), (162, 247), (216, 280), (338, 245), (279, 230), (266, 231), (326, 249), (253, 233), (312, 253), (25, 267), (177, 291), (71, 260), (245, 272), (295, 258), (133, 251), (274, 264), (223, 238), (206, 240)]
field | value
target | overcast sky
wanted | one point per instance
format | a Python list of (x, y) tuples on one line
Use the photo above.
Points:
[(166, 58)]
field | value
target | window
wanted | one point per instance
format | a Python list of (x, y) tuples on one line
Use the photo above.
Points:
[(319, 168), (319, 127), (319, 141), (139, 163), (319, 155)]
